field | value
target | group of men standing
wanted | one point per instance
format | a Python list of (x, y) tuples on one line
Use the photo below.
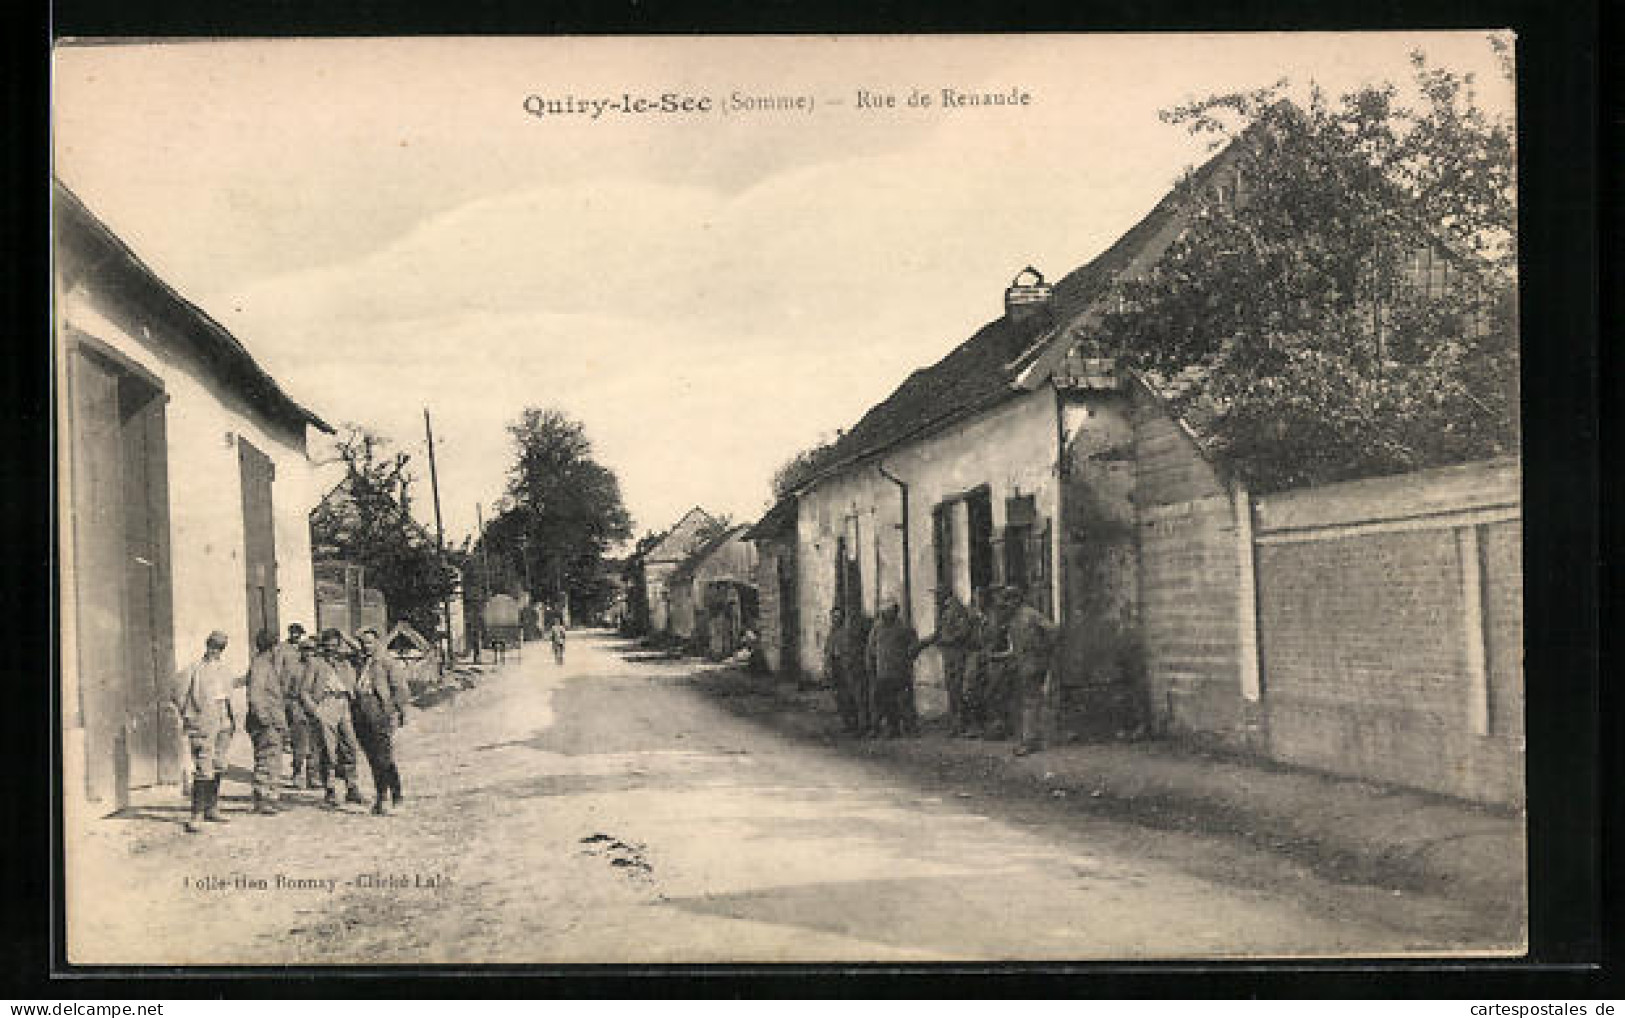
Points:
[(995, 663), (320, 701)]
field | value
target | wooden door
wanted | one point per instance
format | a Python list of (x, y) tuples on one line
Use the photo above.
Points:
[(97, 582), (148, 630), (259, 538)]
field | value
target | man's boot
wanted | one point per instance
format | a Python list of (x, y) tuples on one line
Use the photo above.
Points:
[(211, 802), (353, 794), (263, 805), (380, 808), (331, 799), (194, 825)]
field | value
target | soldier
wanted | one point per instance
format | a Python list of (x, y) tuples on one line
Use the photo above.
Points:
[(892, 648), (327, 691), (836, 656), (267, 722), (203, 699), (992, 678), (290, 664), (316, 761), (1030, 637), (954, 638), (379, 705)]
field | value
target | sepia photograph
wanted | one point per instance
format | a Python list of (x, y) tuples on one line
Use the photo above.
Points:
[(709, 500)]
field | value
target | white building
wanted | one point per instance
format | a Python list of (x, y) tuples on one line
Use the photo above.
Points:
[(184, 490)]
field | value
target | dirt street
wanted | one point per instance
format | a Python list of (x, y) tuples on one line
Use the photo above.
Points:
[(612, 810)]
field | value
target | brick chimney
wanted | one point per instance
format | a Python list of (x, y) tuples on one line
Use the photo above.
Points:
[(1027, 296)]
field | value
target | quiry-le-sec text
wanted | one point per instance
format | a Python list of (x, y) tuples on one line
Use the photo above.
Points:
[(737, 101)]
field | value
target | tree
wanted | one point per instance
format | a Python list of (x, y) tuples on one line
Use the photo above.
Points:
[(367, 520), (561, 514), (1347, 300)]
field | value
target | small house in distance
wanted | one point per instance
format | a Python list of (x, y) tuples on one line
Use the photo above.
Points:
[(713, 594), (687, 534), (777, 630)]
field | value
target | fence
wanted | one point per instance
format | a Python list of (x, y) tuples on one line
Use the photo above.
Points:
[(1371, 628)]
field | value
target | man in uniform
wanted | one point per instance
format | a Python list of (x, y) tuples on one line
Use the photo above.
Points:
[(992, 657), (1030, 638), (954, 638), (329, 686), (203, 699), (290, 665), (378, 707), (892, 648), (837, 655), (267, 722)]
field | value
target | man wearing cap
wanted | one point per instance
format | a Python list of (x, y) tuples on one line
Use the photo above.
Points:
[(267, 723), (954, 638), (290, 666), (1031, 637), (379, 704), (203, 699), (893, 646), (837, 671), (328, 689)]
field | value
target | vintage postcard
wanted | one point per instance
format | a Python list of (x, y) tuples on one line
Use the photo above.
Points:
[(789, 499)]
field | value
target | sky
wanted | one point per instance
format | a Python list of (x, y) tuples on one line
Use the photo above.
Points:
[(387, 228)]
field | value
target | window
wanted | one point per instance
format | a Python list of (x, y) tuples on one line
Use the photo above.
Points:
[(942, 544), (1425, 273), (1026, 552), (979, 521)]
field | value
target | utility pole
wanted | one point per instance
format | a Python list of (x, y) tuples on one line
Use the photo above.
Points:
[(439, 531), (485, 577)]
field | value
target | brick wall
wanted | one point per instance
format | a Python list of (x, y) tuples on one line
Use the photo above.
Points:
[(1370, 598), (1387, 617), (1186, 531), (1188, 600)]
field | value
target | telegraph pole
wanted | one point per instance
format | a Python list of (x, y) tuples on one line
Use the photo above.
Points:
[(485, 577), (439, 531)]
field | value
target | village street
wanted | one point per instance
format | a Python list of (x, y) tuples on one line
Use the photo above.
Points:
[(617, 809)]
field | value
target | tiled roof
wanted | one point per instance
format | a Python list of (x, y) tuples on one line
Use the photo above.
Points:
[(692, 564), (672, 546), (776, 521), (218, 347), (1006, 356)]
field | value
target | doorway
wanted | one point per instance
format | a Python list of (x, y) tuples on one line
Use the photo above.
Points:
[(121, 582)]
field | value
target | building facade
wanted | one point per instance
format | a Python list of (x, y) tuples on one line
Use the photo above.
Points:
[(1369, 629), (184, 491)]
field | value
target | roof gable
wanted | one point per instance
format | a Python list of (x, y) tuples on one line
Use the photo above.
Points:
[(706, 551), (682, 538)]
